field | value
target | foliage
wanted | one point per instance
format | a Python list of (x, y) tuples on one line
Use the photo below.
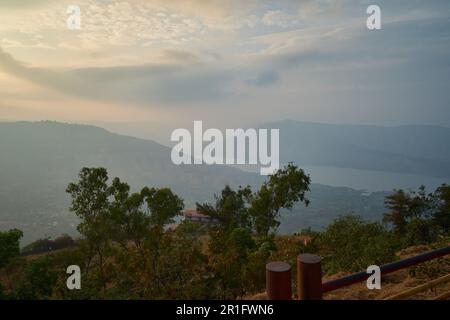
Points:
[(9, 245), (349, 244), (406, 206), (131, 249), (284, 188), (38, 280), (241, 240), (111, 215), (441, 217), (418, 217), (419, 231)]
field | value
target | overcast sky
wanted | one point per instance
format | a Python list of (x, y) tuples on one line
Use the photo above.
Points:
[(228, 63)]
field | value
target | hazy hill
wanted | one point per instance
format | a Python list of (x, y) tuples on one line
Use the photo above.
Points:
[(50, 152), (39, 159), (421, 150)]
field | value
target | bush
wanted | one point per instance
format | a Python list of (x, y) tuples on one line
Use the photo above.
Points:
[(9, 246), (38, 280), (419, 231), (350, 244)]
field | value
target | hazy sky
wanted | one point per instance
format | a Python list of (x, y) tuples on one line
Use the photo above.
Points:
[(225, 62)]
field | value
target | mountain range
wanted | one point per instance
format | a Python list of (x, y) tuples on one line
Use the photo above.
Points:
[(39, 159)]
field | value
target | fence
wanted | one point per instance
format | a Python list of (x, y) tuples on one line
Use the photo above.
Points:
[(309, 276)]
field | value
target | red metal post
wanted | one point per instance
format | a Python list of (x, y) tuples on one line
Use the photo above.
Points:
[(278, 281), (309, 277)]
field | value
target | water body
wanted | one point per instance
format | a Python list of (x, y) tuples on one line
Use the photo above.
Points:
[(370, 180), (365, 179)]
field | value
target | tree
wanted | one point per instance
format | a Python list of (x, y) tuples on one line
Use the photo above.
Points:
[(230, 241), (38, 280), (441, 215), (113, 220), (405, 206), (90, 203), (163, 205), (9, 245), (241, 234), (350, 244), (419, 231), (286, 187), (231, 208), (128, 219), (182, 267)]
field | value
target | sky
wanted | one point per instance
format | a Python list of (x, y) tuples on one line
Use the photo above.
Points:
[(150, 65)]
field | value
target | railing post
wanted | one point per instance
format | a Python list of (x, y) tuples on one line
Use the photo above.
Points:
[(278, 281), (309, 277)]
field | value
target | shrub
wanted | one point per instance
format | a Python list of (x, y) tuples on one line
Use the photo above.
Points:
[(350, 244), (419, 231)]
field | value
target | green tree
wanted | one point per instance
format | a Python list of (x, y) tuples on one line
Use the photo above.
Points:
[(419, 231), (230, 241), (128, 228), (38, 280), (240, 240), (182, 267), (163, 205), (231, 208), (284, 188), (90, 203), (9, 245), (350, 244), (441, 216), (405, 206), (129, 222)]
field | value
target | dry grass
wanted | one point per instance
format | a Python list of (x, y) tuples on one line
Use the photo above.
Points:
[(394, 283)]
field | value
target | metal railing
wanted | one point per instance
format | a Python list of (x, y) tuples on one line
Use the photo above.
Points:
[(309, 275)]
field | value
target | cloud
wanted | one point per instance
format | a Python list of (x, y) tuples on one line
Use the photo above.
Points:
[(14, 4), (228, 53), (54, 79), (140, 84), (125, 23), (264, 79), (279, 18)]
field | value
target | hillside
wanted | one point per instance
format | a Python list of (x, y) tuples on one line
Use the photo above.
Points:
[(39, 159), (392, 284)]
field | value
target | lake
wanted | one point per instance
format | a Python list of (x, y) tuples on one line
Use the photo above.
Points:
[(370, 180)]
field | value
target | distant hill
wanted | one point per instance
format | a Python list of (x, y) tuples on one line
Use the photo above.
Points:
[(423, 150), (39, 159), (50, 152)]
